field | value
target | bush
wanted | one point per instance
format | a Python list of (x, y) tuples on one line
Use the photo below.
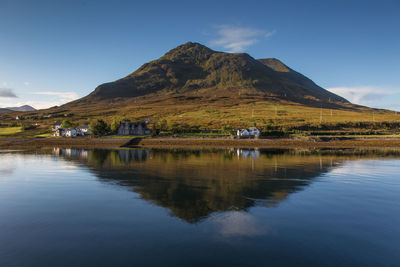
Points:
[(66, 124), (227, 129), (274, 133), (99, 128), (114, 126), (28, 127)]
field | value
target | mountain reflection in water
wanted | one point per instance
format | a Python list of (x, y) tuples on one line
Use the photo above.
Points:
[(193, 184)]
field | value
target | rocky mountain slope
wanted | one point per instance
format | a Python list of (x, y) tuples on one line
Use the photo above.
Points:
[(193, 68)]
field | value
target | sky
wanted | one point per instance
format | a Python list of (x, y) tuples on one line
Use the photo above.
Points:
[(52, 52)]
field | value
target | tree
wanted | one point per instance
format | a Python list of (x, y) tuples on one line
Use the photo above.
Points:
[(66, 124), (155, 130), (99, 127), (196, 128), (163, 125), (268, 127), (173, 127), (227, 129), (114, 126)]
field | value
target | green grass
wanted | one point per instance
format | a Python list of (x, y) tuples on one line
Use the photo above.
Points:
[(44, 135), (10, 131)]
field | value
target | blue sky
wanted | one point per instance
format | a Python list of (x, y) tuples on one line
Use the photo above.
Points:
[(52, 52)]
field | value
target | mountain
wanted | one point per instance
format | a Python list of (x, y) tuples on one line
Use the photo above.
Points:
[(193, 68), (21, 108), (5, 110)]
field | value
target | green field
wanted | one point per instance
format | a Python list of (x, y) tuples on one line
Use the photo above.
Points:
[(10, 131)]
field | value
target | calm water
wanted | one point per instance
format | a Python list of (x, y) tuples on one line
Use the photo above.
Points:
[(68, 207)]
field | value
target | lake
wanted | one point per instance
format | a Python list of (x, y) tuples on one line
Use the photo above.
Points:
[(138, 207)]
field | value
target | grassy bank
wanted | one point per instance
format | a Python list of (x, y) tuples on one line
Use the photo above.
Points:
[(84, 142)]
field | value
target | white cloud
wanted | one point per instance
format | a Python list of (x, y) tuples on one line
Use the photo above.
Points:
[(62, 96), (26, 83), (6, 92), (237, 39), (362, 95)]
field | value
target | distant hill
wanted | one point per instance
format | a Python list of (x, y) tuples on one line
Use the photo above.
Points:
[(21, 108), (193, 68), (5, 110)]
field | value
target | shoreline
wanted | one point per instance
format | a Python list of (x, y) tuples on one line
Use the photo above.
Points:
[(85, 142)]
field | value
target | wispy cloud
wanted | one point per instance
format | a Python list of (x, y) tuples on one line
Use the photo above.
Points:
[(62, 96), (6, 92), (237, 39), (26, 83), (363, 95)]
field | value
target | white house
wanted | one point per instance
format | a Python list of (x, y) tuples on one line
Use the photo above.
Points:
[(59, 132), (243, 132), (56, 126), (251, 132), (82, 130), (70, 132), (254, 131)]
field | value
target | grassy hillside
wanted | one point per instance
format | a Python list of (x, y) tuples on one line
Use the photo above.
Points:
[(212, 113)]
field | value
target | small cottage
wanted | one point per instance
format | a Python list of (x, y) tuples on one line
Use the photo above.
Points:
[(243, 132), (248, 133), (59, 132), (56, 126), (82, 130), (70, 132), (253, 131)]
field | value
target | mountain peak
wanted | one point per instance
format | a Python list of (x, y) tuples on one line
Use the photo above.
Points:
[(189, 49)]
